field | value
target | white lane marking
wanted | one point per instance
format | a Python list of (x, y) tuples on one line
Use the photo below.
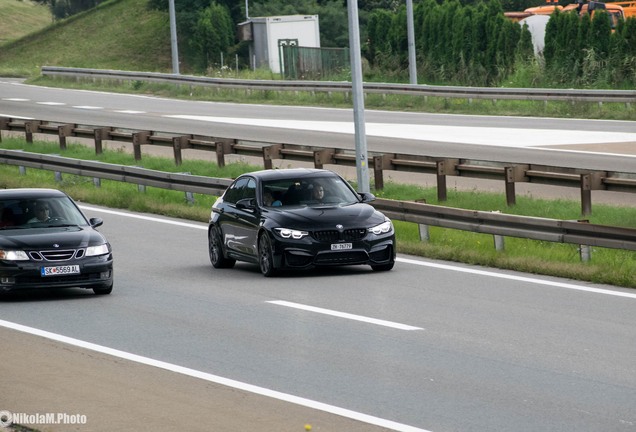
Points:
[(409, 261), (87, 107), (519, 278), (51, 103), (129, 112), (215, 379), (15, 99), (501, 137), (344, 315)]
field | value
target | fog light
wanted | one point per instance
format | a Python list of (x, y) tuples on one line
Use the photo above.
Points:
[(7, 280)]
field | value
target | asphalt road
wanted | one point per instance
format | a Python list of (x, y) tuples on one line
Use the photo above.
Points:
[(428, 346), (579, 143)]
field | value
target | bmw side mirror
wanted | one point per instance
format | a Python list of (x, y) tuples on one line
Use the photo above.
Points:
[(246, 204), (366, 197), (95, 222)]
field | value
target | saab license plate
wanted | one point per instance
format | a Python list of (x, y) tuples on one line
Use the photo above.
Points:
[(341, 246), (60, 270)]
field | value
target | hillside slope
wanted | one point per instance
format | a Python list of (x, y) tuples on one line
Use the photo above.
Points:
[(118, 34), (19, 18)]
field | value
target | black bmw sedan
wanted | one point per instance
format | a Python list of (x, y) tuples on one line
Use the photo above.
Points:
[(298, 218), (47, 242)]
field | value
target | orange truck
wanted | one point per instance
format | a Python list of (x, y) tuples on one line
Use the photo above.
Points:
[(616, 10)]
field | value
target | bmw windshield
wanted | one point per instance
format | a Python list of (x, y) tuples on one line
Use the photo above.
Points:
[(308, 191)]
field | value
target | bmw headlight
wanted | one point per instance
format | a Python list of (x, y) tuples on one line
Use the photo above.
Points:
[(97, 250), (383, 228), (291, 233), (13, 255)]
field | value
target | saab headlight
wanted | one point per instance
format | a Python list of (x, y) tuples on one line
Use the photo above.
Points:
[(13, 255), (97, 250), (291, 233), (383, 228)]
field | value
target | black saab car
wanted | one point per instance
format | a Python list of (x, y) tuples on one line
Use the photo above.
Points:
[(298, 218), (47, 242)]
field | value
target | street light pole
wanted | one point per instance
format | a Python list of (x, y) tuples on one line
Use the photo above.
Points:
[(173, 39), (411, 42), (362, 168)]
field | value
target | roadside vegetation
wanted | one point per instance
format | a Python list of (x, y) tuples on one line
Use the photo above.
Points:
[(608, 266)]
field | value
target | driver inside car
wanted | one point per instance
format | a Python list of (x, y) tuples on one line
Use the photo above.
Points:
[(42, 211)]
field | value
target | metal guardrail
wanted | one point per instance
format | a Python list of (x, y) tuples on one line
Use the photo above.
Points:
[(492, 93), (508, 173), (552, 230)]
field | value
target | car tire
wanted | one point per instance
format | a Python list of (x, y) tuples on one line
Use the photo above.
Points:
[(265, 256), (103, 290), (383, 267), (215, 250)]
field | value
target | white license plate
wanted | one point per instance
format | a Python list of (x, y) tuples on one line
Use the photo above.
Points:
[(341, 246), (60, 270)]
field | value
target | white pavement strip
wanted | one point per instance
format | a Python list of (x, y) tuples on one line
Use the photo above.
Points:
[(501, 137), (344, 315), (215, 379)]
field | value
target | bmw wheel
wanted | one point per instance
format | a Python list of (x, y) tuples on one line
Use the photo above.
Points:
[(265, 258), (215, 249)]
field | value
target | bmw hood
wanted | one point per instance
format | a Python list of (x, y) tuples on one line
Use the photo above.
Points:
[(48, 238), (321, 217)]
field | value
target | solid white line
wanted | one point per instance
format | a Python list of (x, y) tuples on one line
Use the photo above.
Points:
[(410, 261), (518, 278), (216, 379), (344, 315)]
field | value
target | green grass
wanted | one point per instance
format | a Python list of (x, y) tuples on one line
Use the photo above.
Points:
[(118, 34), (609, 266), (19, 18)]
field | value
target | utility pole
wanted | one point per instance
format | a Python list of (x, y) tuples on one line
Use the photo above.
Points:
[(362, 166), (173, 39)]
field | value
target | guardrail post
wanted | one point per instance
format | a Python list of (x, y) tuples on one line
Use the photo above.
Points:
[(425, 234), (4, 125), (514, 174), (138, 139), (444, 167), (179, 143), (223, 147), (31, 127), (324, 156), (270, 153), (64, 131), (589, 182), (499, 243), (100, 134), (380, 163)]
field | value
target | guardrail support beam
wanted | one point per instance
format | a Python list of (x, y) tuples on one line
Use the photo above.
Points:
[(138, 139), (322, 157), (179, 143), (445, 167), (514, 174), (31, 127), (270, 153), (100, 134), (64, 131), (222, 148), (380, 163), (590, 181)]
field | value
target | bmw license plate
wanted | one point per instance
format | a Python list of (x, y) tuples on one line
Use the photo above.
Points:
[(341, 246), (59, 270)]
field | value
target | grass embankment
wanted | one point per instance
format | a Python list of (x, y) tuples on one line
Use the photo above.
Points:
[(124, 35), (615, 267), (19, 18)]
